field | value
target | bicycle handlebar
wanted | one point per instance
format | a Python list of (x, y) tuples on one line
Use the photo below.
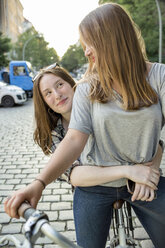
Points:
[(26, 211)]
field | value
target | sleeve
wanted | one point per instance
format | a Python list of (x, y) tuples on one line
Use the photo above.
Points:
[(81, 110), (65, 177)]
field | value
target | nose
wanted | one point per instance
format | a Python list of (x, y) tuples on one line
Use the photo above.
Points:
[(87, 52), (57, 94)]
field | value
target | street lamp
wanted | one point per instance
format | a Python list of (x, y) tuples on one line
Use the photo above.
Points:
[(23, 50), (160, 31)]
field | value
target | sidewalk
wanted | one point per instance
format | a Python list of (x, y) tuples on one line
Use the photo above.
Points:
[(20, 161)]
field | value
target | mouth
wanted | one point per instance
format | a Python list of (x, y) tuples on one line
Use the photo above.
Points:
[(62, 102), (93, 58)]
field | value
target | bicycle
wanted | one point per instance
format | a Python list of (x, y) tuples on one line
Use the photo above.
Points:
[(37, 224)]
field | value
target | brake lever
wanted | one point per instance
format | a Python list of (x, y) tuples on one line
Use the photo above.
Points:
[(29, 227)]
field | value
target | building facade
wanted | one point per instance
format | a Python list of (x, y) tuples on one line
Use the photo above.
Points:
[(11, 18)]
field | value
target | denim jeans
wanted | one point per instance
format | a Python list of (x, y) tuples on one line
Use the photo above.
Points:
[(93, 212)]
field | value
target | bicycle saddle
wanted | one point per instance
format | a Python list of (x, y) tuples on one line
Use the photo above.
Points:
[(118, 204)]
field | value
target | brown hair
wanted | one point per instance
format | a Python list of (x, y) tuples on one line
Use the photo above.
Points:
[(121, 57), (46, 119)]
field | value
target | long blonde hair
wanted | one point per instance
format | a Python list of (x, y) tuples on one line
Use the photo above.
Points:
[(45, 118), (120, 57)]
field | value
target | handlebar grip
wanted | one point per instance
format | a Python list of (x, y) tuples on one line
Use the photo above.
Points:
[(26, 210)]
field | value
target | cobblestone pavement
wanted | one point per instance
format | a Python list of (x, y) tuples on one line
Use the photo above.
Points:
[(20, 161)]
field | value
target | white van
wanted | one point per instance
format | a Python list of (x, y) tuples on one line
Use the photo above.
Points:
[(11, 94)]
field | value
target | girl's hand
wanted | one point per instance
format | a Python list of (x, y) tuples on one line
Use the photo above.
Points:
[(144, 175), (143, 193), (156, 161), (31, 193)]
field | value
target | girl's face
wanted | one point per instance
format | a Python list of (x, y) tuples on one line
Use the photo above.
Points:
[(89, 52), (57, 93)]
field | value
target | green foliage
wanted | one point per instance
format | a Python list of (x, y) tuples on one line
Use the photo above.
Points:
[(38, 53), (5, 47), (145, 15), (36, 50), (73, 58)]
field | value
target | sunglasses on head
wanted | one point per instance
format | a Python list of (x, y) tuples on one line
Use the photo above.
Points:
[(45, 69)]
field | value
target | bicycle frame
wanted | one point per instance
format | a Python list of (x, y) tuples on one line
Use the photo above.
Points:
[(122, 226)]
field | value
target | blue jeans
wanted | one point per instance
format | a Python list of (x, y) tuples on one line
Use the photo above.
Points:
[(93, 212)]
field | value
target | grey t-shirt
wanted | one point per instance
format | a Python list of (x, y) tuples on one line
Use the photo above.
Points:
[(117, 136)]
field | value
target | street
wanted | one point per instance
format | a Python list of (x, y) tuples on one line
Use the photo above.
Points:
[(20, 161)]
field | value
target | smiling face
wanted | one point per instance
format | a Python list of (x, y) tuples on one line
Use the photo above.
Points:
[(57, 93)]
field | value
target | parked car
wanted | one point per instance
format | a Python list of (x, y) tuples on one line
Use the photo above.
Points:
[(11, 94)]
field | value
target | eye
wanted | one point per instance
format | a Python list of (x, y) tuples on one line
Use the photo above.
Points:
[(60, 84), (48, 93)]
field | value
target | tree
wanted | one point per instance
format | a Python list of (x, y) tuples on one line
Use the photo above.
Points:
[(145, 15), (37, 50), (5, 47), (73, 58)]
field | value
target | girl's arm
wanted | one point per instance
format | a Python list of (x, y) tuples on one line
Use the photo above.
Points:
[(66, 153), (156, 161), (143, 192), (85, 176)]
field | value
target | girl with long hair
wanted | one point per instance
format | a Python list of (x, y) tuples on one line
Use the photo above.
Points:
[(117, 116)]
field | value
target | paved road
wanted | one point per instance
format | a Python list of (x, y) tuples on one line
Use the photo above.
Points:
[(20, 161)]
